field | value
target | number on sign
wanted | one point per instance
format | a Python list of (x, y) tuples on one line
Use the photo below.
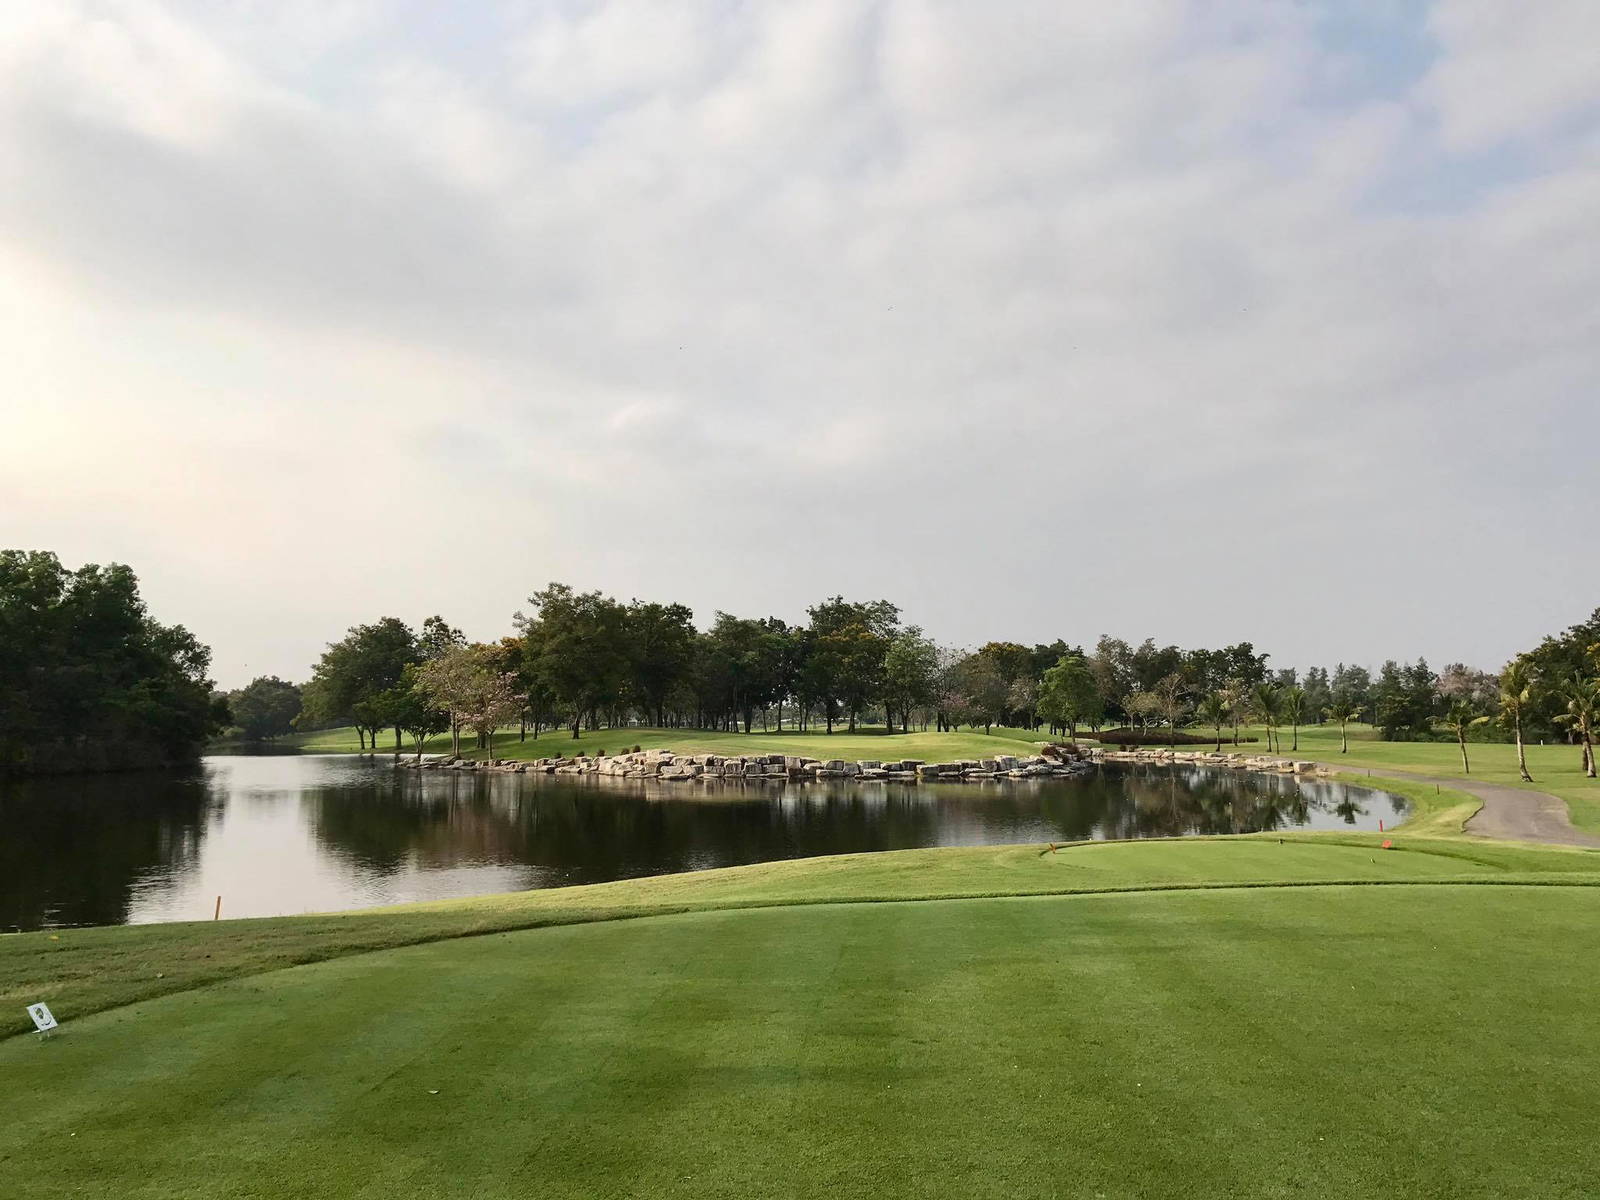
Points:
[(42, 1019)]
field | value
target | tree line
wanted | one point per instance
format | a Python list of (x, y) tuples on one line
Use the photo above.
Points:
[(585, 660)]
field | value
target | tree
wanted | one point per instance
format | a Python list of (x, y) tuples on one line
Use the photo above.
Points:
[(1343, 711), (1170, 702), (849, 644), (1460, 718), (350, 680), (910, 674), (467, 683), (1214, 709), (1235, 693), (1352, 688), (265, 708), (1580, 697), (1264, 703), (88, 679), (660, 649), (983, 690), (1516, 691), (412, 709), (576, 648), (1319, 692), (1294, 711), (1068, 696), (1112, 666), (1403, 700)]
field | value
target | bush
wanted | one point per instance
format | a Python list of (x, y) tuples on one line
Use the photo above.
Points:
[(1157, 737)]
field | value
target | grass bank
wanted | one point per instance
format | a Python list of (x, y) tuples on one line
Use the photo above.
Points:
[(868, 742)]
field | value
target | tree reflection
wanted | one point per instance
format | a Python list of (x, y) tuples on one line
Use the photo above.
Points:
[(74, 848)]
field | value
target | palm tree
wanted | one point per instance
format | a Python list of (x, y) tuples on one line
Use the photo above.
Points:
[(1461, 717), (1264, 707), (1343, 711), (1516, 688), (1214, 709), (1294, 711), (1582, 697)]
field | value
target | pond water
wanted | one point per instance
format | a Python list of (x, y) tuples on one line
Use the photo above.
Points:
[(275, 834)]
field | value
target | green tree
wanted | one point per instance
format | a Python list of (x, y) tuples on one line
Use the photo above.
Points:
[(850, 642), (1403, 700), (1294, 711), (1460, 718), (265, 708), (1580, 698), (352, 678), (910, 674), (1214, 709), (1516, 692), (660, 653), (88, 679), (1068, 695), (1343, 711), (983, 690), (577, 649), (1264, 706)]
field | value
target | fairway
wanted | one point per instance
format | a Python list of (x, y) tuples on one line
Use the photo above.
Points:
[(1433, 1040)]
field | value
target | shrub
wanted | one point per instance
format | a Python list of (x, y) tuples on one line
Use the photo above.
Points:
[(1157, 737)]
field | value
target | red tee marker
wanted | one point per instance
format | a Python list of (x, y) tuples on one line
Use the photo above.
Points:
[(1387, 844)]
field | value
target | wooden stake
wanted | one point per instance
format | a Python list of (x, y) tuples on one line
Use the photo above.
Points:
[(217, 915)]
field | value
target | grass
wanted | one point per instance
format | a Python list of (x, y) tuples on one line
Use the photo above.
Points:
[(1555, 769), (81, 971), (867, 742), (1434, 1040)]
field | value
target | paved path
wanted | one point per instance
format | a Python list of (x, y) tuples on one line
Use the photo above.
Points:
[(1507, 812)]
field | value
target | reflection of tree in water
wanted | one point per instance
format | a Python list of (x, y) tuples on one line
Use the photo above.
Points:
[(74, 847), (582, 829), (1134, 802), (593, 829)]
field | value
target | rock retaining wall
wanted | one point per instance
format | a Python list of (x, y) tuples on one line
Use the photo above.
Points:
[(671, 766)]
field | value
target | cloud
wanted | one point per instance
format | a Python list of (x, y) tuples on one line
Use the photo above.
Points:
[(1040, 320)]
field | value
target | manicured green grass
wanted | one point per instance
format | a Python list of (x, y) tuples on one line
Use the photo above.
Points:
[(1555, 769), (80, 971), (1327, 1041), (871, 742)]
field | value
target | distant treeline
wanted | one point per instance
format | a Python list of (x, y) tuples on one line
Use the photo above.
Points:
[(89, 681), (586, 660)]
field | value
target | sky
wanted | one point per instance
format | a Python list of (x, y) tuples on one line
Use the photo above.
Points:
[(1204, 321)]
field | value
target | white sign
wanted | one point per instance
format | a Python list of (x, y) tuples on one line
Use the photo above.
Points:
[(41, 1017)]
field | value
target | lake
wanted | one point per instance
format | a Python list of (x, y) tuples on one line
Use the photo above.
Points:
[(276, 834)]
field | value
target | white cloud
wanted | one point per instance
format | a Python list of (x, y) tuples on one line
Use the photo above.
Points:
[(1512, 70), (1105, 296)]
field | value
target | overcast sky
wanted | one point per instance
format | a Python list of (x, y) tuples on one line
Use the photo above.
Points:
[(1204, 321)]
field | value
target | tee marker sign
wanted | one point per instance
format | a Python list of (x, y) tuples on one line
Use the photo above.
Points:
[(43, 1021)]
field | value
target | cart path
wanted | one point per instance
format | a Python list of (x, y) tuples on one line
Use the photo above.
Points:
[(1516, 814)]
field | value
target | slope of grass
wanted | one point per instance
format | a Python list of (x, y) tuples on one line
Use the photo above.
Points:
[(80, 971), (867, 742), (1304, 1042)]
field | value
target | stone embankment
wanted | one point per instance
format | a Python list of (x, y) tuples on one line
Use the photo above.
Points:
[(1247, 762), (1057, 763)]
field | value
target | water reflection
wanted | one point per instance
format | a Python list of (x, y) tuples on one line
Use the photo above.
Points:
[(280, 834)]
